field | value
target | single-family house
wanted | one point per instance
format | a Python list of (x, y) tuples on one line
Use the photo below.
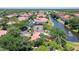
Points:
[(40, 20), (76, 14), (23, 17), (1, 18), (3, 32), (11, 15), (35, 36), (25, 33), (63, 16), (38, 28)]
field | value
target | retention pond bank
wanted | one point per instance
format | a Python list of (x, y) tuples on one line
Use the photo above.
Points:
[(73, 37)]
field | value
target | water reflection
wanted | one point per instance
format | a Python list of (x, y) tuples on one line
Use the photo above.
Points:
[(71, 37)]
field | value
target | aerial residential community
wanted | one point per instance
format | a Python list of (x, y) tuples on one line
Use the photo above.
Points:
[(39, 30)]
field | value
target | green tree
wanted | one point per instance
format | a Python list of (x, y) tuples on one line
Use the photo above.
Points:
[(74, 23), (4, 22), (22, 24), (14, 42), (59, 36), (40, 41), (42, 48), (69, 46)]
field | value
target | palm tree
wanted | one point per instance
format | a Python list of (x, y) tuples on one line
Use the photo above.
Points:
[(74, 23), (59, 36), (14, 18), (4, 22)]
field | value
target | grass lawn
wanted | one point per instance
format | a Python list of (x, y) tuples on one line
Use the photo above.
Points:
[(59, 20), (68, 26), (76, 46), (2, 49), (51, 23), (75, 30), (42, 48)]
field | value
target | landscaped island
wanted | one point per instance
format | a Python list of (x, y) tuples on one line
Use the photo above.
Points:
[(37, 30)]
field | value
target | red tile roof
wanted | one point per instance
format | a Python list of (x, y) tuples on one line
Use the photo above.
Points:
[(63, 16), (2, 32), (22, 18), (67, 17), (24, 15), (11, 15), (35, 36), (76, 14), (41, 20)]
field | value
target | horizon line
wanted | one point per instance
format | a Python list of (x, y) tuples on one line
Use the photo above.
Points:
[(39, 7)]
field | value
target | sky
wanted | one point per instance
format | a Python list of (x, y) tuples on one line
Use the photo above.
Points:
[(38, 3)]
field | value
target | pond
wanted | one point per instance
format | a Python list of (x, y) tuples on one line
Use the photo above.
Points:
[(73, 37)]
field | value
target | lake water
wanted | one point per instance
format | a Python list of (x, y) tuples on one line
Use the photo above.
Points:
[(71, 36)]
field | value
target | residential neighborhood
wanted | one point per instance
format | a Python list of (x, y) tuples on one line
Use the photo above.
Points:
[(39, 30)]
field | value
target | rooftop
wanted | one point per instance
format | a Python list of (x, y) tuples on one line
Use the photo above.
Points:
[(64, 17), (35, 36), (11, 15), (21, 18), (40, 20), (76, 14), (2, 32)]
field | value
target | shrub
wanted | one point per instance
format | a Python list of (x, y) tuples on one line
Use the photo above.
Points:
[(42, 48), (68, 46)]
